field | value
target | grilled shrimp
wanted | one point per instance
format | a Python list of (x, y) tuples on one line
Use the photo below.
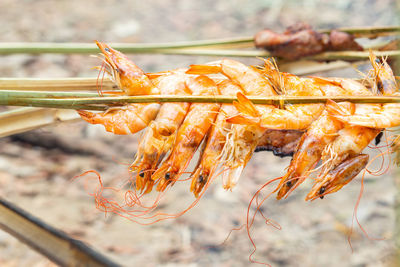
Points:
[(160, 134), (338, 177), (320, 133), (132, 81), (211, 152), (190, 134), (353, 139), (242, 139)]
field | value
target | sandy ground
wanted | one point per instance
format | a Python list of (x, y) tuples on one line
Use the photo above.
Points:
[(38, 178)]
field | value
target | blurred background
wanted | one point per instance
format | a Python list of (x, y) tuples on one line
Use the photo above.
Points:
[(36, 167)]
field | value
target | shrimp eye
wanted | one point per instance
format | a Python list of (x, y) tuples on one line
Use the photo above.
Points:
[(117, 70), (289, 184), (167, 176), (378, 138), (141, 174), (377, 60), (107, 49), (321, 191), (200, 179)]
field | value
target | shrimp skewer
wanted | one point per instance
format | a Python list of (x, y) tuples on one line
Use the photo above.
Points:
[(254, 119), (132, 81), (191, 133), (208, 161), (160, 135)]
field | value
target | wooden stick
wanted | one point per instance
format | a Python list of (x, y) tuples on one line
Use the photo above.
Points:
[(60, 84), (170, 48), (101, 103), (48, 241), (26, 119)]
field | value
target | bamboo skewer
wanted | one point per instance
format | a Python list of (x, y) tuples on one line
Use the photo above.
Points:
[(180, 48), (48, 241), (101, 103), (26, 119), (56, 84)]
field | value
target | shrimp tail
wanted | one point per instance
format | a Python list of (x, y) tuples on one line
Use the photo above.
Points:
[(335, 109), (248, 113), (203, 69), (88, 116)]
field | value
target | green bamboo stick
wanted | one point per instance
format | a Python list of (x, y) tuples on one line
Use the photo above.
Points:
[(56, 84), (352, 55), (101, 103), (369, 31), (45, 94), (168, 48)]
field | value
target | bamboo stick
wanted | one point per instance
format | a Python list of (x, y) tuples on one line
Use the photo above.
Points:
[(48, 241), (369, 32), (101, 103), (170, 48), (352, 55), (45, 94), (26, 119), (56, 84)]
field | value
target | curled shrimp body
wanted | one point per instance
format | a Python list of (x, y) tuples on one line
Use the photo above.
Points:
[(160, 134), (321, 132), (338, 177), (191, 132), (210, 155), (123, 120), (389, 114), (132, 81), (293, 117)]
